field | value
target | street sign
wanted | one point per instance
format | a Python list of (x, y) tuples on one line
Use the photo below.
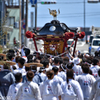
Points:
[(33, 2), (24, 26)]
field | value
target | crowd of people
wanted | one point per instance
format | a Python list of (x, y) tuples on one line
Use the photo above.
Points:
[(39, 76)]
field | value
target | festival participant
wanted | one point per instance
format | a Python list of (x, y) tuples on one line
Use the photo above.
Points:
[(6, 77), (30, 58), (50, 89), (45, 62), (71, 88), (62, 72), (13, 89), (86, 81), (77, 68), (95, 68), (37, 78), (95, 92), (27, 68), (56, 62), (29, 90), (42, 73), (16, 60), (11, 57), (56, 77), (21, 69)]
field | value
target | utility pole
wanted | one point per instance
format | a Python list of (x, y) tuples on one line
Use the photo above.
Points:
[(32, 17), (35, 15), (84, 15), (22, 33), (26, 21), (85, 19), (20, 24)]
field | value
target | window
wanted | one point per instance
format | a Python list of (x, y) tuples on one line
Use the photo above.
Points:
[(11, 21), (96, 42)]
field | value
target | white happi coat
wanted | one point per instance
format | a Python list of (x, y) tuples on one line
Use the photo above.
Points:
[(29, 91), (94, 70), (50, 90), (58, 79), (62, 75), (43, 76), (86, 81), (71, 91), (95, 93), (77, 69), (13, 90)]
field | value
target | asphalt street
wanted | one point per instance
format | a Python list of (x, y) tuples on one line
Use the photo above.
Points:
[(82, 47)]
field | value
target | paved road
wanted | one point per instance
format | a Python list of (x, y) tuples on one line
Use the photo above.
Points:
[(83, 47)]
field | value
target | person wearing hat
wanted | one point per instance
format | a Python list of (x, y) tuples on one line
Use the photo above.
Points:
[(50, 89), (86, 81), (6, 78), (77, 68), (13, 89), (29, 90), (21, 68)]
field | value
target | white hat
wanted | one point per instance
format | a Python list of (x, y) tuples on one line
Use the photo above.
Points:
[(76, 61)]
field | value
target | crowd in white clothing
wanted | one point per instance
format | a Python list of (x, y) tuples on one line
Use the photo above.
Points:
[(42, 77)]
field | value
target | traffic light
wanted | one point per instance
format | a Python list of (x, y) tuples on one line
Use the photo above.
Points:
[(48, 2)]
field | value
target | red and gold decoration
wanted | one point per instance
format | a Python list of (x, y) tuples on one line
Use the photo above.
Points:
[(52, 43)]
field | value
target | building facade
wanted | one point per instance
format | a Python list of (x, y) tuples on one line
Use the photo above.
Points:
[(11, 26)]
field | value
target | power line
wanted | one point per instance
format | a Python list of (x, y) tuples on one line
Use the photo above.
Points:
[(71, 13), (72, 16)]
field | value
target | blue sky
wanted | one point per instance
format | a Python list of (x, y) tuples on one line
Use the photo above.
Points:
[(71, 13)]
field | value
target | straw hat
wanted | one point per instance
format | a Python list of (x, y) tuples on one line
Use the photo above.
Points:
[(1, 54), (30, 64), (8, 62)]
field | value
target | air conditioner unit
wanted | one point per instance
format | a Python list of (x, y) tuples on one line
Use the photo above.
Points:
[(16, 25)]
